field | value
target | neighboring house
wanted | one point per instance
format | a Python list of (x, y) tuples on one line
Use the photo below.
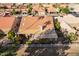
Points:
[(72, 20), (6, 23), (75, 7), (41, 26), (63, 5), (69, 22), (40, 10), (7, 5), (51, 9)]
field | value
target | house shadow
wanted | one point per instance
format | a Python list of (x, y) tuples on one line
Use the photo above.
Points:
[(48, 47), (2, 34), (41, 51), (62, 39)]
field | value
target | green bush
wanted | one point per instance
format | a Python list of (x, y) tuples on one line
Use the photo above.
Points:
[(17, 39), (8, 50), (29, 5), (11, 35), (72, 37), (29, 42), (43, 40), (8, 53), (29, 8), (40, 41), (57, 25), (14, 12), (65, 10)]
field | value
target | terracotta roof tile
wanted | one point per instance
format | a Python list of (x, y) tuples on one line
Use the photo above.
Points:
[(32, 24), (6, 23)]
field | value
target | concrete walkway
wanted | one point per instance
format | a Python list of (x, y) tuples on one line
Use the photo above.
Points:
[(74, 48), (21, 50)]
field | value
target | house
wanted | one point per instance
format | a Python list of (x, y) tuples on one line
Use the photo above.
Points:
[(74, 7), (39, 26), (39, 9), (69, 22), (6, 23), (51, 9), (6, 6)]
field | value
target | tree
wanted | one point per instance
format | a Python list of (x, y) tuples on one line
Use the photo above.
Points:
[(29, 8), (14, 12), (11, 35), (57, 25), (65, 10)]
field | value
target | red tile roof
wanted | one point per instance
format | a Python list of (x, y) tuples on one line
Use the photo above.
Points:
[(6, 23), (32, 24)]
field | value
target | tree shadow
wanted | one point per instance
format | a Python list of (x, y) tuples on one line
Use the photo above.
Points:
[(23, 38)]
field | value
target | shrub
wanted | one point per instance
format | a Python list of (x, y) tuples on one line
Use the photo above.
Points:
[(8, 53), (65, 10), (17, 39), (57, 25), (29, 42), (43, 41), (29, 5), (14, 12), (8, 50), (40, 41), (11, 35), (72, 37), (29, 8)]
